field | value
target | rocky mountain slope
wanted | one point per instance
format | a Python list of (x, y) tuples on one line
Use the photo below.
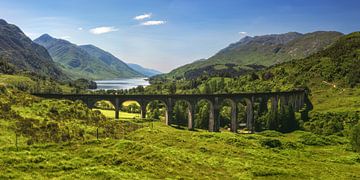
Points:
[(22, 55), (265, 50)]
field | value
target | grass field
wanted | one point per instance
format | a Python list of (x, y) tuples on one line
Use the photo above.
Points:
[(157, 151), (123, 115), (336, 100), (165, 152)]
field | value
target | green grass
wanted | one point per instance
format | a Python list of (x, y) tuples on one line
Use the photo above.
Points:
[(157, 151), (15, 79), (27, 84), (166, 152), (336, 100), (123, 115)]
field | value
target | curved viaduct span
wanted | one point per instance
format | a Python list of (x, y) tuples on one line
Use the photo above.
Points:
[(297, 99)]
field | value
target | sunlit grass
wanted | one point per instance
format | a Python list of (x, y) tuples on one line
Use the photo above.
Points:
[(161, 151), (336, 100), (127, 103), (123, 115)]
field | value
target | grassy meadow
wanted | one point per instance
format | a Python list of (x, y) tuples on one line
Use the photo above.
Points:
[(166, 152), (60, 139)]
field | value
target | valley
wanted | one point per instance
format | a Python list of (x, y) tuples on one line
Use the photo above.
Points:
[(272, 104)]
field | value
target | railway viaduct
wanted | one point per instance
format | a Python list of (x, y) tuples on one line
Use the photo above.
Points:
[(297, 99)]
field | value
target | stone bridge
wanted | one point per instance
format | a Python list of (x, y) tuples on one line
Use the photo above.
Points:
[(297, 99)]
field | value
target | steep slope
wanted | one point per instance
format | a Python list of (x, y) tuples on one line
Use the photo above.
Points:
[(338, 65), (85, 62), (25, 56), (266, 50), (335, 67), (145, 71), (111, 61)]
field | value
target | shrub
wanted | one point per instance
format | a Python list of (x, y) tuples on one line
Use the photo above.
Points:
[(355, 138), (270, 143), (331, 123), (319, 140), (270, 133)]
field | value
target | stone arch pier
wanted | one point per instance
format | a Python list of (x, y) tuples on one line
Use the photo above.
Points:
[(297, 99)]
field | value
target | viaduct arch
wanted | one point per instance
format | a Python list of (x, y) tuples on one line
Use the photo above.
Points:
[(297, 99)]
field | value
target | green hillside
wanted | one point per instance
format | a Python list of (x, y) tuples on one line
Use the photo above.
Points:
[(18, 54), (45, 139), (265, 50), (87, 62)]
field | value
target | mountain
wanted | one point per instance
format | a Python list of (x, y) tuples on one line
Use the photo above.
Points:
[(111, 61), (266, 50), (145, 71), (338, 66), (23, 55), (85, 61)]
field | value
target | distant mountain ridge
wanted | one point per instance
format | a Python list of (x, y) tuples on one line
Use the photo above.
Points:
[(265, 50), (85, 61), (25, 56), (145, 71)]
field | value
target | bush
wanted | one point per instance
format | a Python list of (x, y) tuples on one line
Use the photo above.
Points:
[(270, 133), (355, 138), (319, 140), (331, 123), (271, 143)]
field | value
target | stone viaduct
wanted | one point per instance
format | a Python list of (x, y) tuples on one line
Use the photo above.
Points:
[(297, 99)]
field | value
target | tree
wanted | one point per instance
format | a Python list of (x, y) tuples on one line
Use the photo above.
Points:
[(172, 88), (180, 111), (202, 115)]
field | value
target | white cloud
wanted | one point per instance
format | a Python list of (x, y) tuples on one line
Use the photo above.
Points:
[(242, 33), (143, 16), (153, 23), (102, 30), (80, 28), (65, 37)]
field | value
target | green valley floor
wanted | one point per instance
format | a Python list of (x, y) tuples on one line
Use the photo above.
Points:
[(159, 151)]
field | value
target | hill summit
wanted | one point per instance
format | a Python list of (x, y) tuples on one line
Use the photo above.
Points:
[(85, 61), (22, 55)]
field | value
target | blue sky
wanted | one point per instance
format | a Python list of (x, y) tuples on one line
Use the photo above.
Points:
[(170, 33)]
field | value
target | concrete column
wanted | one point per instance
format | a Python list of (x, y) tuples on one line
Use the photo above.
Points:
[(263, 105), (297, 103), (143, 110), (250, 114), (293, 102), (211, 117), (234, 123), (284, 102), (274, 104), (191, 113), (117, 108), (214, 121), (302, 100), (169, 112)]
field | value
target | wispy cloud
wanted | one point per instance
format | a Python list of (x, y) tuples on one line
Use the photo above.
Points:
[(80, 28), (143, 16), (65, 37), (153, 23), (103, 29), (243, 33)]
